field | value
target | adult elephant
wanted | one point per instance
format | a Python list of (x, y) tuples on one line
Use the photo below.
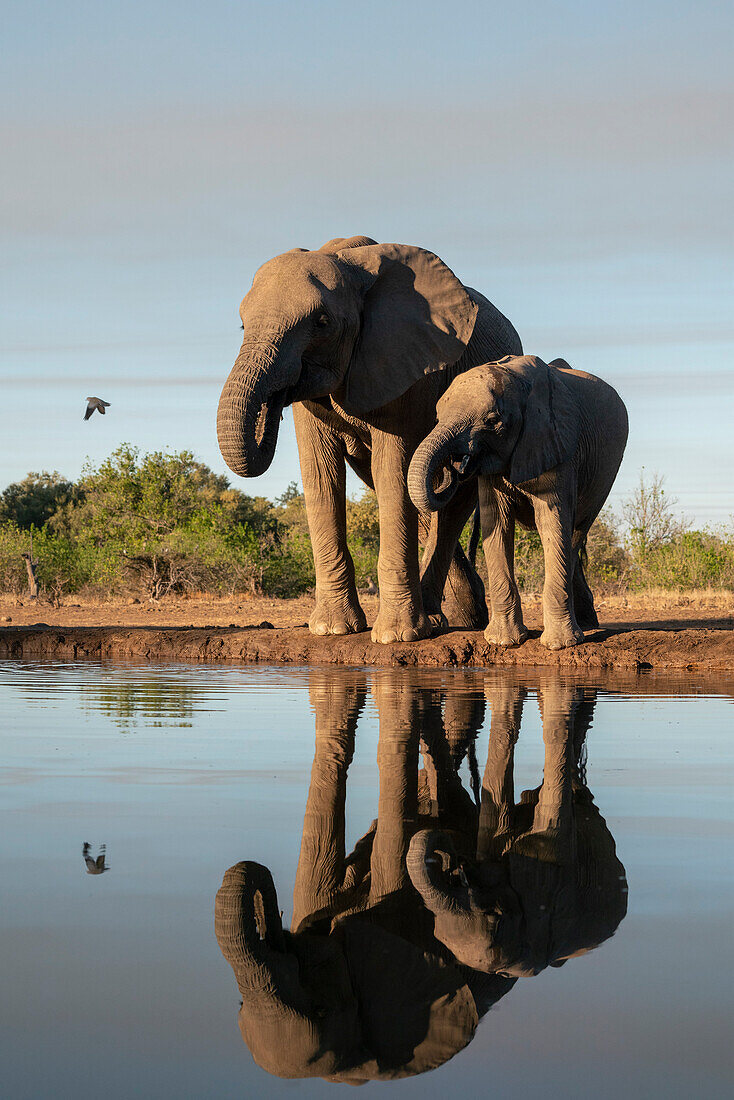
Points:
[(362, 338)]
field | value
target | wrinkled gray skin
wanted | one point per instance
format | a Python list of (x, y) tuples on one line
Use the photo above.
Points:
[(546, 442), (360, 989), (362, 338), (546, 883)]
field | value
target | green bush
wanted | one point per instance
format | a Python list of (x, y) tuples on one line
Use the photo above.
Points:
[(13, 544), (363, 535), (608, 561), (160, 523), (695, 559), (287, 565), (529, 564)]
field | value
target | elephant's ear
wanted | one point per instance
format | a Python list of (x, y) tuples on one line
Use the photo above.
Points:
[(417, 318), (550, 424), (337, 244)]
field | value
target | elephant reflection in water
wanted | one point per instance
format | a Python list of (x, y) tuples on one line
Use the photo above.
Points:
[(545, 884), (368, 984)]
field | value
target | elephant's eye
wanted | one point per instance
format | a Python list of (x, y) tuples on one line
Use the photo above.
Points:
[(322, 321)]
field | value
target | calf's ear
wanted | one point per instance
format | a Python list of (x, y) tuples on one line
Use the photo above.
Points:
[(550, 425)]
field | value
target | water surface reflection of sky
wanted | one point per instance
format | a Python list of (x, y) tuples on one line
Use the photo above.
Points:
[(115, 984)]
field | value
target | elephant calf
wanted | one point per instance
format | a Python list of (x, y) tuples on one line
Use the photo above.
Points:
[(546, 442)]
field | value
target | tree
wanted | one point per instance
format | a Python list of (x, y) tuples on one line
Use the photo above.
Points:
[(291, 509), (130, 497), (35, 499), (650, 516)]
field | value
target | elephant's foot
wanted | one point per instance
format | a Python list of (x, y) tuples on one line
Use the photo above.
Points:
[(561, 636), (337, 615), (398, 624), (433, 612), (438, 622), (505, 632)]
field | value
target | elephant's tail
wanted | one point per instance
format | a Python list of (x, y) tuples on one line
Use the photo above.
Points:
[(476, 530)]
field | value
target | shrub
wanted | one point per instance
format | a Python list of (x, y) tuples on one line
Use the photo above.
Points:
[(363, 535), (167, 523), (607, 560), (287, 565), (695, 559), (529, 564), (13, 544)]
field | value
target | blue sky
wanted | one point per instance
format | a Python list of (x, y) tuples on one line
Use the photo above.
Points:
[(573, 161)]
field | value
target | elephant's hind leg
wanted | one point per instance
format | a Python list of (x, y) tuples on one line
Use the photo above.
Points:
[(464, 599), (583, 598), (401, 616)]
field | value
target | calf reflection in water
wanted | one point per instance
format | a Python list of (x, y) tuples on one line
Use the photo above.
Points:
[(96, 866), (398, 949), (544, 883)]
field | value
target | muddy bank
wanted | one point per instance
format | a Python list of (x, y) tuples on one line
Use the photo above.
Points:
[(691, 649)]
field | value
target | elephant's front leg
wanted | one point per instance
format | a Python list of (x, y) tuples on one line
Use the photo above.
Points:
[(554, 518), (320, 876), (401, 617), (506, 626), (498, 791), (323, 471), (398, 707), (551, 836)]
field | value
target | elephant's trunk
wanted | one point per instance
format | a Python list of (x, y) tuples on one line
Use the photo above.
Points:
[(432, 479), (250, 408), (248, 926), (424, 862)]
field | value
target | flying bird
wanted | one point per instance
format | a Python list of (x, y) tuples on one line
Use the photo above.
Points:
[(96, 866), (95, 403)]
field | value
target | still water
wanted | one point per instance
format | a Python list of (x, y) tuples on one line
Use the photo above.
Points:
[(497, 884)]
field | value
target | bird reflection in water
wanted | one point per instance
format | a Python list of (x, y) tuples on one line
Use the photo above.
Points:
[(96, 866), (399, 948)]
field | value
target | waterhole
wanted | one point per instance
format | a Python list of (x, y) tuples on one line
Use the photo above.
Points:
[(584, 824)]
